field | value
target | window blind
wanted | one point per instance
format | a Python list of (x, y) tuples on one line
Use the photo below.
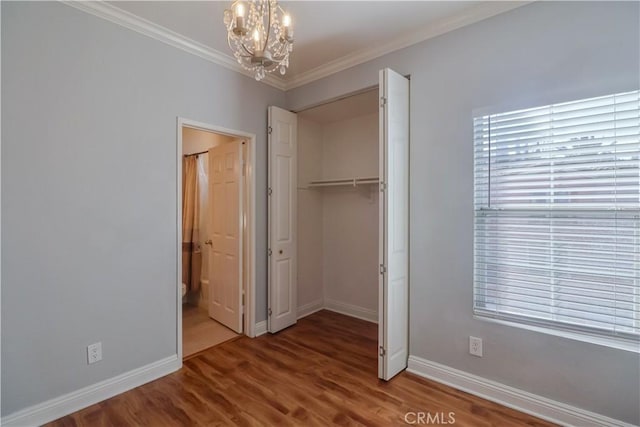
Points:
[(557, 206)]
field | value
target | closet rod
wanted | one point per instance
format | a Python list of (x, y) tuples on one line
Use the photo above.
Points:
[(196, 154)]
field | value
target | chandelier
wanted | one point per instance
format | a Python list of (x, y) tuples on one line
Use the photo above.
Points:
[(260, 34)]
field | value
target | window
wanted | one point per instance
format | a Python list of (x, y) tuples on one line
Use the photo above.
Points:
[(557, 205)]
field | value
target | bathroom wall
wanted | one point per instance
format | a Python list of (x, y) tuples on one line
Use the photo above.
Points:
[(196, 140)]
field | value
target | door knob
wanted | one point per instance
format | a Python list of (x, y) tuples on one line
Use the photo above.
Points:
[(208, 242)]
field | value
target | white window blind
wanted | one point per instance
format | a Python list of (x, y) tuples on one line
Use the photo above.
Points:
[(557, 205)]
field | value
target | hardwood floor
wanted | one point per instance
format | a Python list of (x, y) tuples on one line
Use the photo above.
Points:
[(322, 371), (200, 332)]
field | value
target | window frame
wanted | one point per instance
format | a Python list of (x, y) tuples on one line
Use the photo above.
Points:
[(628, 342)]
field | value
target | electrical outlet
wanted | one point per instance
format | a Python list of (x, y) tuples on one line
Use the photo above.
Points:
[(94, 353), (475, 346)]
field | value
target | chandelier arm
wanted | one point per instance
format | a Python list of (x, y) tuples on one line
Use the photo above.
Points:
[(246, 50)]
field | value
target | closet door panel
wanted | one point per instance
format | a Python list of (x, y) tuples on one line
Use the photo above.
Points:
[(394, 225), (282, 310)]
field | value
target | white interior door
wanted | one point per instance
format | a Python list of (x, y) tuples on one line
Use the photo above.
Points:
[(282, 310), (225, 234), (393, 298)]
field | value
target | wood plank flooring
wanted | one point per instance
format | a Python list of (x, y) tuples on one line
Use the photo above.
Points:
[(200, 332), (322, 371)]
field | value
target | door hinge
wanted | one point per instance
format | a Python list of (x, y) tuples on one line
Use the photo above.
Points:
[(269, 130), (269, 191), (383, 101), (270, 312), (383, 269), (382, 351), (383, 186), (269, 252)]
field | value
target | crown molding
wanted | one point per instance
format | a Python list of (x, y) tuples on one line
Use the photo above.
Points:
[(133, 22), (475, 14)]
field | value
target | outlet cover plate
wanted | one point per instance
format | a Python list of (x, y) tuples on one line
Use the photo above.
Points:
[(475, 346), (94, 353)]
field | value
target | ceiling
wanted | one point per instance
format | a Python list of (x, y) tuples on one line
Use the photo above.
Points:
[(326, 32)]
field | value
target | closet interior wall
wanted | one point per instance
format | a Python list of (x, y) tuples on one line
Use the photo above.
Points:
[(338, 225)]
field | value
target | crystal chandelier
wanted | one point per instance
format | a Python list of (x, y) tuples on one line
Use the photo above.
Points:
[(260, 35)]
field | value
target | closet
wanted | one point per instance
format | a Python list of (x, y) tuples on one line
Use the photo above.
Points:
[(338, 223)]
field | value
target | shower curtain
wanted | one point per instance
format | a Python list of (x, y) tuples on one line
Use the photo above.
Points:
[(191, 250)]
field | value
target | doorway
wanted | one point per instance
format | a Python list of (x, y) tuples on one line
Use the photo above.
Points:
[(332, 168), (216, 237)]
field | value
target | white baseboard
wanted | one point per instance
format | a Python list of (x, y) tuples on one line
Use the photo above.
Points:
[(312, 307), (261, 328), (351, 310), (58, 407), (541, 407)]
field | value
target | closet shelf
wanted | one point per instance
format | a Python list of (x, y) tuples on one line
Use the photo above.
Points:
[(352, 182)]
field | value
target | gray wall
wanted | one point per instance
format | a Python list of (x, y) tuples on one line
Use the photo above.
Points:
[(539, 53), (89, 193), (89, 197)]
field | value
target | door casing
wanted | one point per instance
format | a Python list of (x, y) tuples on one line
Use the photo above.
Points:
[(250, 209)]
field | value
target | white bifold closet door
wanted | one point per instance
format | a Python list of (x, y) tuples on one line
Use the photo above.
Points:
[(283, 183), (393, 301), (225, 225)]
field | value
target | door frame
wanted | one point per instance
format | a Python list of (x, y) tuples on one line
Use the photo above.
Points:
[(250, 209), (381, 318)]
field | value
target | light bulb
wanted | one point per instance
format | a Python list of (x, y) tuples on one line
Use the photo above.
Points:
[(257, 45), (240, 10), (286, 21), (239, 30)]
